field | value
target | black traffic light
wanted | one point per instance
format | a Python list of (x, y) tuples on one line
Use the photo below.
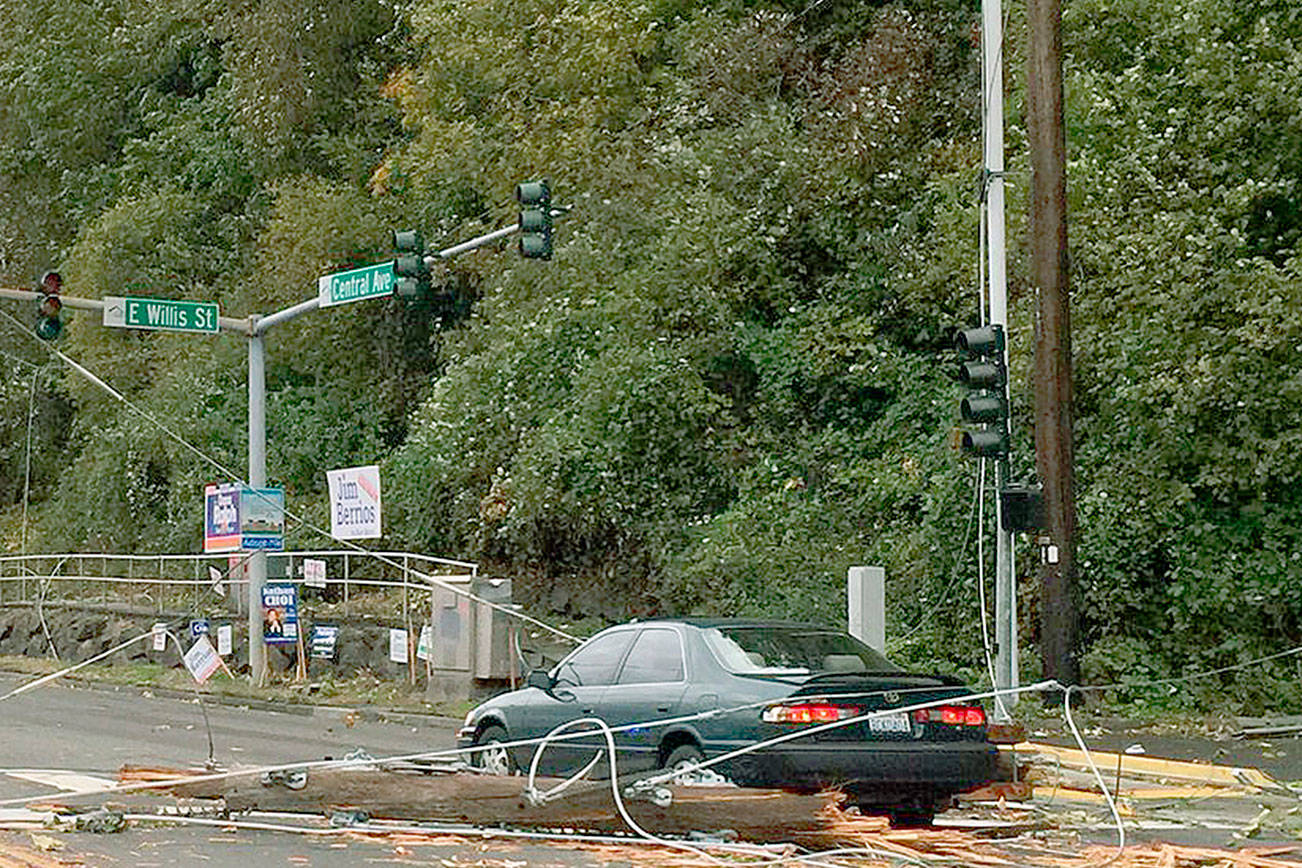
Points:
[(413, 274), (48, 324), (535, 198), (985, 405)]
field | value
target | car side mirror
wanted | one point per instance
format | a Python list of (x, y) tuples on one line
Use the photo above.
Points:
[(539, 678)]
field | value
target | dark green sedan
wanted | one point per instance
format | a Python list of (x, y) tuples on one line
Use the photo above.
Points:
[(682, 690)]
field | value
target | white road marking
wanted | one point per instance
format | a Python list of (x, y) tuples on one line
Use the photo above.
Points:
[(60, 779)]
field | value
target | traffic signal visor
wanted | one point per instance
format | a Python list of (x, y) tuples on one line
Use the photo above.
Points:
[(984, 341)]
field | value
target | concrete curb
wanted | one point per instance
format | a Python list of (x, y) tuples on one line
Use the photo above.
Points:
[(301, 709)]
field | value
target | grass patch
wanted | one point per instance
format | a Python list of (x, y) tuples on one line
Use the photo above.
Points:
[(363, 689)]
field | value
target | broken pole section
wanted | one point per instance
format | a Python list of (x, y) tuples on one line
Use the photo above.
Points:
[(490, 800)]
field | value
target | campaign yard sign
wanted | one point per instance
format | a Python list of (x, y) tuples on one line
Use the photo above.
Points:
[(355, 502), (262, 518), (279, 614), (221, 518), (314, 573), (202, 659), (324, 639)]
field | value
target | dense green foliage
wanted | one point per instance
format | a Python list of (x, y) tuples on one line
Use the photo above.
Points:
[(734, 379)]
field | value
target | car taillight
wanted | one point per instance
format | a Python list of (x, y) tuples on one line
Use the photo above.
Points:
[(818, 712), (953, 715)]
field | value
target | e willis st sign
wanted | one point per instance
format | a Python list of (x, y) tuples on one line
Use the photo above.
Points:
[(160, 314)]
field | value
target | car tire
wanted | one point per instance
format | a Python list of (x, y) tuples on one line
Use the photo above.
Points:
[(493, 760), (682, 756)]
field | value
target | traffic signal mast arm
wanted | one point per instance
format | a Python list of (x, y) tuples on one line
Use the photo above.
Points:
[(227, 323), (466, 246)]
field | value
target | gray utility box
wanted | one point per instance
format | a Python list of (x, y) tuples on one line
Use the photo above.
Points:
[(472, 640)]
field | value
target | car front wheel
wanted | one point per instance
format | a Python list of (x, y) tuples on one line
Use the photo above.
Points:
[(493, 758), (681, 758)]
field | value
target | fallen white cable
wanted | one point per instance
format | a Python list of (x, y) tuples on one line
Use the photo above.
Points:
[(1107, 795), (69, 670), (608, 734), (849, 721), (450, 753), (378, 828), (290, 515)]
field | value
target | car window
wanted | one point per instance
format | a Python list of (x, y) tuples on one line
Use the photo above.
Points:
[(792, 650), (596, 662), (657, 655)]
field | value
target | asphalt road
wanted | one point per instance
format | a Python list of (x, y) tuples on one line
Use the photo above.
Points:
[(56, 739)]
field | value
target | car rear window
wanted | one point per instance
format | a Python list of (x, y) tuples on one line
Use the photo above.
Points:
[(793, 650)]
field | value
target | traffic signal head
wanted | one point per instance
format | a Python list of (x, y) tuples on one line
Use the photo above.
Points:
[(535, 198), (986, 405), (48, 324), (413, 279)]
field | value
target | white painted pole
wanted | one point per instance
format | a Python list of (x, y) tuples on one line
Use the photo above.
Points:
[(992, 99)]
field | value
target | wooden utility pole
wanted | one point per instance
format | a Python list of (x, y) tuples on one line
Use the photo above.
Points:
[(1059, 618)]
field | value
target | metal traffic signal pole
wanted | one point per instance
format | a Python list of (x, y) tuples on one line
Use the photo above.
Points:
[(992, 99), (257, 327), (253, 328)]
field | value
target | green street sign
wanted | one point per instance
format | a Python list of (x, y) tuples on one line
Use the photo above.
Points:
[(373, 281), (160, 314)]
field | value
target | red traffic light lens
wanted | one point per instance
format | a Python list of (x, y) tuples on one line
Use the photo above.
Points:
[(52, 282)]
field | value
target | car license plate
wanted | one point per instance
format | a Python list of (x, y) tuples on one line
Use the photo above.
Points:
[(895, 723)]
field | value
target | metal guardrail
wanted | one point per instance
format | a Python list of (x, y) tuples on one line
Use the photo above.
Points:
[(167, 579)]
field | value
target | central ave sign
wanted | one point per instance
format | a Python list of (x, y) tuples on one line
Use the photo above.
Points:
[(160, 314), (373, 281)]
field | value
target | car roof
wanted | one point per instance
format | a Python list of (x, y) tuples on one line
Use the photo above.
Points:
[(740, 622)]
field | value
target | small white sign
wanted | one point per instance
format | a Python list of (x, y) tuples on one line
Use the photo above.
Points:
[(425, 645), (202, 659), (314, 573), (397, 645), (160, 636), (215, 577), (224, 640), (355, 502)]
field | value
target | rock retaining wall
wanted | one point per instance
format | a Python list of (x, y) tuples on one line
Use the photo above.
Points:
[(78, 633)]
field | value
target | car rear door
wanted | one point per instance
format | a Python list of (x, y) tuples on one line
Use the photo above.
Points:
[(649, 687)]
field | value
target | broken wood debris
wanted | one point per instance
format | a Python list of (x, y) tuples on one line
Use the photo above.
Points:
[(1054, 756), (803, 822)]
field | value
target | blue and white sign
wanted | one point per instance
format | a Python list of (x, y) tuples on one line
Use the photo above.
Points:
[(198, 627), (324, 639), (262, 518), (279, 614)]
